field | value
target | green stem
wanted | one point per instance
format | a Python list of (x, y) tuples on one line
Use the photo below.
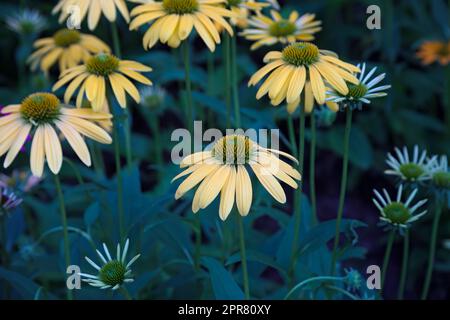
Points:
[(432, 251), (447, 98), (401, 288), (227, 88), (120, 207), (116, 40), (97, 159), (125, 120), (234, 79), (189, 118), (62, 208), (127, 134), (348, 125), (125, 293), (387, 256), (305, 282), (153, 120), (292, 136), (298, 212), (312, 168), (243, 257), (188, 84)]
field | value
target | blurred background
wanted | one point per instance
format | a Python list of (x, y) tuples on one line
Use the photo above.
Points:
[(412, 113)]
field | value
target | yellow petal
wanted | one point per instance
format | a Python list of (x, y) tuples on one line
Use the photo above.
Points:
[(17, 144), (227, 195), (269, 182), (37, 153), (53, 150), (244, 191)]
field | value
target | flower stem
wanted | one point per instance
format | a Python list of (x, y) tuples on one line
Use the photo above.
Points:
[(97, 159), (447, 98), (305, 282), (189, 119), (432, 250), (227, 88), (348, 125), (234, 79), (387, 256), (120, 207), (292, 136), (125, 120), (401, 288), (312, 168), (243, 257), (188, 86), (116, 40), (153, 121), (62, 208), (298, 212)]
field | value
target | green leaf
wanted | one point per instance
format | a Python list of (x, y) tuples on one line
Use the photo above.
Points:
[(223, 284), (257, 257), (91, 214), (23, 285), (324, 232), (360, 149)]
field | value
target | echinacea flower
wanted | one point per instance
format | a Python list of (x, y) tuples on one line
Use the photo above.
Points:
[(267, 31), (223, 170), (67, 47), (92, 79), (242, 10), (153, 97), (362, 92), (26, 22), (396, 213), (440, 175), (434, 51), (111, 273), (8, 200), (172, 21), (93, 9), (302, 68), (39, 114), (408, 168)]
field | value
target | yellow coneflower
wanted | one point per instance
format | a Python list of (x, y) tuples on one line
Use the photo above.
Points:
[(172, 21), (93, 9), (67, 47), (92, 78), (271, 30), (38, 115), (302, 67), (223, 170), (242, 10), (434, 51)]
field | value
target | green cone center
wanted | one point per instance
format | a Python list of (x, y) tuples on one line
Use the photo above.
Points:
[(180, 6), (282, 28), (411, 171), (301, 54), (102, 64), (66, 37), (396, 212), (441, 179), (40, 108), (113, 273), (356, 91), (233, 149)]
